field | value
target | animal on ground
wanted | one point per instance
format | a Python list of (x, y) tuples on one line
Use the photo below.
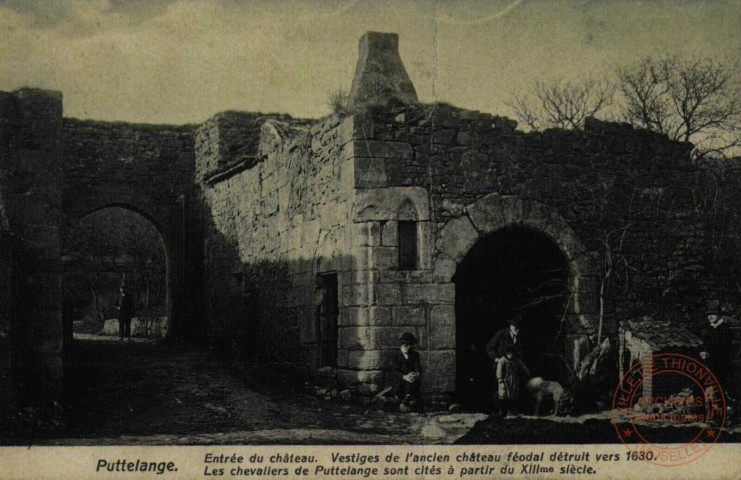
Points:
[(541, 388)]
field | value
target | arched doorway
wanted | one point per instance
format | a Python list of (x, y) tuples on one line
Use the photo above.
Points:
[(99, 251), (514, 270)]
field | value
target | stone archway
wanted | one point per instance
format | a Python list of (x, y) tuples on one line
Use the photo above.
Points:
[(494, 213), (168, 221)]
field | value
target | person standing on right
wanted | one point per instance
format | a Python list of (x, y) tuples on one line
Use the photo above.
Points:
[(717, 339)]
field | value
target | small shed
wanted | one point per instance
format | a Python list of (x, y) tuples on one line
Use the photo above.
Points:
[(646, 336)]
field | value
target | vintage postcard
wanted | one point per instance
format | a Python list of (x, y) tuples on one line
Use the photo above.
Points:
[(370, 239)]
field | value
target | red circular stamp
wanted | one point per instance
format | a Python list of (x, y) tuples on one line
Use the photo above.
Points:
[(668, 409)]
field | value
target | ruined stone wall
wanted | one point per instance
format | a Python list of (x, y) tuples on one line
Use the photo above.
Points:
[(468, 174), (7, 250), (271, 208), (148, 169), (603, 180), (117, 163), (30, 195), (274, 213)]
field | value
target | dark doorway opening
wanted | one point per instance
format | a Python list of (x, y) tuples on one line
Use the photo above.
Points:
[(102, 251), (327, 314), (512, 271)]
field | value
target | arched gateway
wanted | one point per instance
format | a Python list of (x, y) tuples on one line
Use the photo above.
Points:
[(517, 257)]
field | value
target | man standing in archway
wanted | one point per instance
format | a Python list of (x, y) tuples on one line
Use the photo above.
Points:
[(507, 339), (125, 312), (509, 336)]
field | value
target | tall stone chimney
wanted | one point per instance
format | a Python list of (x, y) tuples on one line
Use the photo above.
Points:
[(380, 76)]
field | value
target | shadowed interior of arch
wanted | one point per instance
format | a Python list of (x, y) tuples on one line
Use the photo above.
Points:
[(102, 249), (511, 271)]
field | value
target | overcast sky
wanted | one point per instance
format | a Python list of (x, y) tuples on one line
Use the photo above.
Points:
[(182, 61)]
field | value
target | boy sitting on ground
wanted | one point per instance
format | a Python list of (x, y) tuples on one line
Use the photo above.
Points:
[(409, 389)]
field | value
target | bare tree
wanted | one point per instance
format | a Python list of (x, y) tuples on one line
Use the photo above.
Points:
[(562, 104), (696, 101)]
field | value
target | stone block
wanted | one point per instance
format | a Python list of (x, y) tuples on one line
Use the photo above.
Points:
[(427, 294), (363, 276), (357, 295), (370, 173), (457, 237), (270, 203), (511, 210), (365, 149), (362, 259), (435, 382), (486, 213), (442, 315), (408, 315), (467, 137), (390, 234), (440, 336), (399, 151), (310, 233), (343, 358), (388, 294), (373, 204), (562, 234), (329, 215), (443, 136), (439, 371), (369, 388), (371, 359), (405, 276), (148, 327), (366, 234), (376, 338), (365, 316), (586, 265), (356, 377), (535, 214), (444, 268), (385, 258), (426, 244)]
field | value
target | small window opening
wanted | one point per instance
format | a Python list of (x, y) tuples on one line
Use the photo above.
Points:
[(408, 246)]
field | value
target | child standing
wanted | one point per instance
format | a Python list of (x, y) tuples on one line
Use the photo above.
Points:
[(509, 375), (409, 389)]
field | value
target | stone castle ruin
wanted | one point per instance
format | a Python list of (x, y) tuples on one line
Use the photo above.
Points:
[(312, 245)]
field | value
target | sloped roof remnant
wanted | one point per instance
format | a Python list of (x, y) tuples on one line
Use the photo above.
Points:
[(663, 333)]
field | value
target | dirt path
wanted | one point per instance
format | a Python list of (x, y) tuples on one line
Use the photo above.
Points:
[(144, 393), (148, 393)]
